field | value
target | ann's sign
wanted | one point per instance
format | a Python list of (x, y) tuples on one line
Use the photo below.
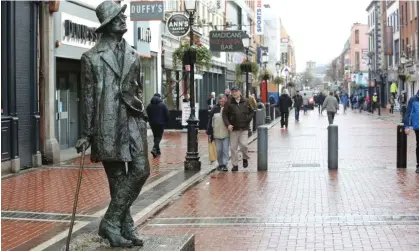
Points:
[(79, 32)]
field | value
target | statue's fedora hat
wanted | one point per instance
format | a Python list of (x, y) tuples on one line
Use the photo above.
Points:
[(106, 11)]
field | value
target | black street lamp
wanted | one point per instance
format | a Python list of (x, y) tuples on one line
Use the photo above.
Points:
[(268, 106), (192, 162), (246, 45)]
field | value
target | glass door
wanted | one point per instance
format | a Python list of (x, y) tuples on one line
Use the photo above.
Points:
[(62, 111)]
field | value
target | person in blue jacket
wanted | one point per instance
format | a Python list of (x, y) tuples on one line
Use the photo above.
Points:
[(345, 101), (411, 120)]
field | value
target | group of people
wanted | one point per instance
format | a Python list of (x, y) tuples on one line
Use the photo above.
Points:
[(228, 125)]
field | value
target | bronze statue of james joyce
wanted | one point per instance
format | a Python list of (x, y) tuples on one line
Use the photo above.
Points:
[(114, 124)]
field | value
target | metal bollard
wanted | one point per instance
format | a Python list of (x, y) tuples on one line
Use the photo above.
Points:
[(332, 147), (401, 147), (262, 148)]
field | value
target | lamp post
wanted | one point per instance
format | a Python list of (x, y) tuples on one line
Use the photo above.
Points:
[(192, 162), (403, 60), (268, 106), (246, 45)]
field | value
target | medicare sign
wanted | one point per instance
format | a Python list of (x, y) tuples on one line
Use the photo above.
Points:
[(259, 17)]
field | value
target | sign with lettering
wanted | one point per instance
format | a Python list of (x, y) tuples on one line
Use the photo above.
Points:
[(178, 25), (227, 41), (76, 31), (142, 35), (259, 17), (147, 10)]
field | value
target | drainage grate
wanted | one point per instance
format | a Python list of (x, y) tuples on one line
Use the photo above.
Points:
[(306, 165)]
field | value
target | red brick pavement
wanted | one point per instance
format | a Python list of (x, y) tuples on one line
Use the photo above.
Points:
[(298, 204), (15, 233), (51, 190)]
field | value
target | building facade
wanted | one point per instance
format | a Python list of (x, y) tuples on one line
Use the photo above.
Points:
[(409, 45), (20, 117), (393, 21)]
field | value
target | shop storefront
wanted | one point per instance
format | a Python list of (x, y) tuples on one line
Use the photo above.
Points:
[(174, 88), (74, 32), (19, 94), (148, 60)]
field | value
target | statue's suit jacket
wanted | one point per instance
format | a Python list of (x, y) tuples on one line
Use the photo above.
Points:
[(113, 132)]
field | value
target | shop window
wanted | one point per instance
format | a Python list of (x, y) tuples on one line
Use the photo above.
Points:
[(147, 79)]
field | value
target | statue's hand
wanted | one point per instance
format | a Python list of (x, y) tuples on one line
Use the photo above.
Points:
[(82, 144)]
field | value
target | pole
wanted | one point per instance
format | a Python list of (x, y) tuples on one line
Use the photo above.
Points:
[(192, 162), (262, 147), (332, 147), (247, 86), (401, 147)]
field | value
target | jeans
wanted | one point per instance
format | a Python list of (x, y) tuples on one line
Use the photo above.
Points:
[(158, 131), (284, 119), (297, 114), (330, 117), (320, 108), (305, 108), (222, 146)]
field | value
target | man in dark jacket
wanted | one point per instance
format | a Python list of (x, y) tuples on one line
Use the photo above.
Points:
[(285, 103), (237, 114), (298, 101), (320, 100), (158, 116)]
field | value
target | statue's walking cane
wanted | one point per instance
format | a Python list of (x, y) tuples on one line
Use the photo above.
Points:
[(76, 198)]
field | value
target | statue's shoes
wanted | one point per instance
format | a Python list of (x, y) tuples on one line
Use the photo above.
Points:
[(115, 240), (132, 236)]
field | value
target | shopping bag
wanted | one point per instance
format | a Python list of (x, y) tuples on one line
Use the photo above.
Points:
[(212, 151)]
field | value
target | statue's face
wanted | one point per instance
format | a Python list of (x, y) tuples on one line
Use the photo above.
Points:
[(118, 25)]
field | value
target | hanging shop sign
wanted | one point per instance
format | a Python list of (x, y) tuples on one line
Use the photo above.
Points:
[(226, 41), (147, 10), (259, 17), (178, 25), (79, 32)]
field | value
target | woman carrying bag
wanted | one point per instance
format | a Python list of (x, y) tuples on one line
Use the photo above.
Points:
[(218, 133)]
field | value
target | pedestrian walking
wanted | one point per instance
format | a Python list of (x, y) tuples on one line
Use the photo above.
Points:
[(345, 101), (237, 114), (285, 103), (211, 101), (391, 103), (374, 102), (393, 89), (403, 103), (219, 133), (331, 106), (412, 121), (158, 117), (298, 102), (305, 102), (320, 101)]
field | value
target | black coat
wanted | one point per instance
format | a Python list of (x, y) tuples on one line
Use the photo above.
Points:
[(285, 103), (239, 114), (157, 112), (298, 100)]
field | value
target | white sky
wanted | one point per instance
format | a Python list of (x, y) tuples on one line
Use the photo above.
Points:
[(319, 28)]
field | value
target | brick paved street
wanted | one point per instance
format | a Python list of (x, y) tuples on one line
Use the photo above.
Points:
[(37, 203), (298, 204)]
